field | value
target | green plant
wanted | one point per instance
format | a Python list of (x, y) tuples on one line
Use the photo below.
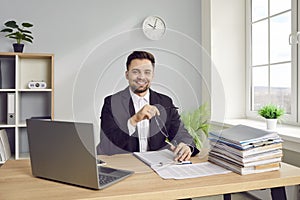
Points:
[(197, 124), (271, 111), (20, 33)]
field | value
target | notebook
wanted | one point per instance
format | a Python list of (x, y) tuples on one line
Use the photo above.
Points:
[(65, 152)]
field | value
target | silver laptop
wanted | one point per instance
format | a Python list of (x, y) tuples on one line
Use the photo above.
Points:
[(66, 152)]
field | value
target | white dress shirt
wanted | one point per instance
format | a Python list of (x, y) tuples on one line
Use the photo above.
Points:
[(142, 126)]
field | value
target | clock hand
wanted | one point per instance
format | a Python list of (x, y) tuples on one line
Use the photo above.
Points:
[(151, 26), (155, 23)]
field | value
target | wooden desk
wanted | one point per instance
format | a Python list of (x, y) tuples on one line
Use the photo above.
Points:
[(16, 182)]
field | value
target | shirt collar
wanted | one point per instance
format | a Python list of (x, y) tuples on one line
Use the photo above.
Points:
[(135, 97)]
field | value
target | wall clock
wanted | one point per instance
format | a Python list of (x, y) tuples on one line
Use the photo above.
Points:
[(154, 27)]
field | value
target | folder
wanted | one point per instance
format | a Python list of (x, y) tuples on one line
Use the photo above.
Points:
[(245, 137), (5, 152), (246, 150), (11, 108)]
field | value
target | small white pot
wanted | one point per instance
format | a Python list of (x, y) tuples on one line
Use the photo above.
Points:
[(271, 124)]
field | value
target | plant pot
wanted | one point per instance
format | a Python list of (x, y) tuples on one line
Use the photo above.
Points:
[(18, 47), (271, 124)]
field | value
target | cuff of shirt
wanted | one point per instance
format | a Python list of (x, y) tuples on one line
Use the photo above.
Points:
[(131, 128), (194, 150)]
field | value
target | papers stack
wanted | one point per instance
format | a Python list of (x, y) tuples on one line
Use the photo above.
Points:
[(162, 162), (246, 150)]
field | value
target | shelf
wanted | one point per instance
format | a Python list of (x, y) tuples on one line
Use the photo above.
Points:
[(21, 125), (16, 71), (26, 55), (23, 147), (34, 69), (11, 157), (34, 90), (3, 108), (7, 72), (3, 125), (7, 90), (35, 104), (24, 156)]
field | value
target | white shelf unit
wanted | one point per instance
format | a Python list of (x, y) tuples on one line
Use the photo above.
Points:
[(16, 71)]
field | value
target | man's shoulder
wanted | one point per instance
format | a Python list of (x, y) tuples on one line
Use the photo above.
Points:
[(160, 96), (123, 93)]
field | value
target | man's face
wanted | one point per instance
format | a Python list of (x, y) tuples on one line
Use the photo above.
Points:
[(139, 75)]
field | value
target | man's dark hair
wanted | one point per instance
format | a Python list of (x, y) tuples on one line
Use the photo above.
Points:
[(140, 55)]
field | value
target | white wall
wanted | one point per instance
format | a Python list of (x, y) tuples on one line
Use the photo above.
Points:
[(228, 54), (91, 40)]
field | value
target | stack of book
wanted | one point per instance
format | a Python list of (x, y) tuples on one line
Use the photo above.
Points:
[(246, 150)]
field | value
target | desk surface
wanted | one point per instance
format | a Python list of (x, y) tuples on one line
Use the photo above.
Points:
[(16, 182)]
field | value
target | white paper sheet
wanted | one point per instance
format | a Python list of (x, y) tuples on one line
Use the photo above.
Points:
[(173, 171)]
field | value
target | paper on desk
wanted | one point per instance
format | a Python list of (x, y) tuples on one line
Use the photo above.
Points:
[(188, 171)]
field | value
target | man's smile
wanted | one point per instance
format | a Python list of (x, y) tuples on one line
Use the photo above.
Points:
[(141, 82)]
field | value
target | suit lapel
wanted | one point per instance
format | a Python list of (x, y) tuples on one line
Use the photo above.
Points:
[(156, 138), (127, 102), (128, 106), (153, 125)]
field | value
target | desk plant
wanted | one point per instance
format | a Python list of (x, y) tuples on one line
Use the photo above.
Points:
[(271, 113), (19, 33), (197, 124)]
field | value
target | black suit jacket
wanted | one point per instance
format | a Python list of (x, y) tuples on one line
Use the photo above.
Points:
[(118, 108)]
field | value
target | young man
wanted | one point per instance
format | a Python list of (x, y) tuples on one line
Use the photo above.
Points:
[(140, 119)]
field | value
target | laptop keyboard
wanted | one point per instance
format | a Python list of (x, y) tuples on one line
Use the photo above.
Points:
[(105, 179)]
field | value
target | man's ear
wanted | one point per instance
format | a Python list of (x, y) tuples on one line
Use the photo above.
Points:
[(126, 74)]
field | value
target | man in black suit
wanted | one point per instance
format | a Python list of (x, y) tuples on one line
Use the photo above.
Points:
[(140, 119)]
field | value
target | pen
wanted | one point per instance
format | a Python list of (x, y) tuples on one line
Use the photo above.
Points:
[(184, 162), (174, 146), (168, 142)]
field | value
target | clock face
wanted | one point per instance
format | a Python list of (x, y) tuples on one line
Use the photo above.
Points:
[(154, 27)]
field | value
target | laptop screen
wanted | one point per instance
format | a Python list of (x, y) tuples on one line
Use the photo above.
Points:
[(63, 151)]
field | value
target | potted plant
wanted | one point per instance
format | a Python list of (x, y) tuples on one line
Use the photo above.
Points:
[(19, 33), (197, 124), (271, 113)]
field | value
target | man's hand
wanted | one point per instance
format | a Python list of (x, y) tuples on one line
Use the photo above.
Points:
[(182, 151), (147, 112)]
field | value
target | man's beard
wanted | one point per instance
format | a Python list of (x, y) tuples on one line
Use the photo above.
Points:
[(140, 90)]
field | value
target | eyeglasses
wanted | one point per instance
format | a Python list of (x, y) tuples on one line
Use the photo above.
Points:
[(165, 133)]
